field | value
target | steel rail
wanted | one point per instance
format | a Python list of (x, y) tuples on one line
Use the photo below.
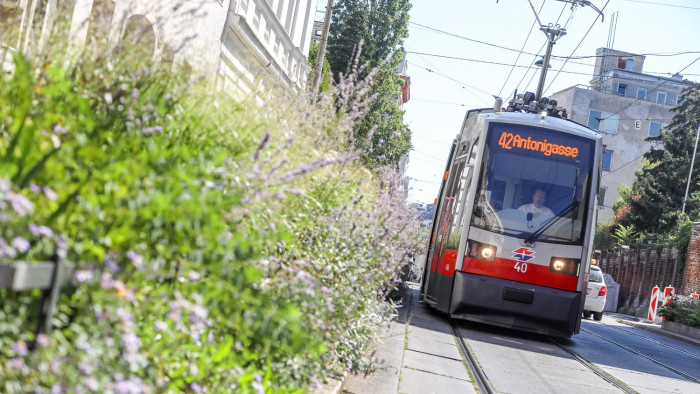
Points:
[(626, 331), (683, 374), (477, 373), (604, 375)]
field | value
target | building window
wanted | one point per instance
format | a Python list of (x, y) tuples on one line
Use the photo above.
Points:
[(655, 128), (642, 94), (601, 196), (661, 97), (244, 6), (630, 64), (256, 18), (621, 89), (679, 100), (594, 119), (607, 160), (610, 123)]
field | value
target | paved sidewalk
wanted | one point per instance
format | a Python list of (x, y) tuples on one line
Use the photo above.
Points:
[(419, 355)]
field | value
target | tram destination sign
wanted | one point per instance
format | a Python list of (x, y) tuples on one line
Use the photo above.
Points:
[(509, 141)]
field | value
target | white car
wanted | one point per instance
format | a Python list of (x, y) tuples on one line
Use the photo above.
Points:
[(595, 295)]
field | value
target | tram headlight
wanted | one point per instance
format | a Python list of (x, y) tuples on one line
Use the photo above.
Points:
[(480, 250), (566, 266)]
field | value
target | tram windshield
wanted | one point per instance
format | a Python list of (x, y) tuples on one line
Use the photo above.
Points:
[(534, 184)]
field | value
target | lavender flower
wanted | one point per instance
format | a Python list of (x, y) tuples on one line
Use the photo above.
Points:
[(20, 348), (196, 388), (161, 325), (84, 275), (43, 340), (35, 188), (194, 276), (21, 244), (17, 363), (40, 230), (58, 129), (114, 267), (20, 204), (91, 383), (50, 194), (136, 259)]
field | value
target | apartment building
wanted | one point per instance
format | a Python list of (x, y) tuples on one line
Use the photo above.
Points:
[(233, 43), (626, 106)]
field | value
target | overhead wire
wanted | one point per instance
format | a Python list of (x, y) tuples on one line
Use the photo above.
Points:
[(655, 88), (452, 79), (536, 56), (663, 4), (579, 44), (521, 51), (483, 61)]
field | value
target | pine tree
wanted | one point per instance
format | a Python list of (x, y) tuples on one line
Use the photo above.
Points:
[(654, 205), (381, 26)]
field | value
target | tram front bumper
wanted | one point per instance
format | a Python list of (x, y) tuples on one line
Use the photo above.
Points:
[(517, 305)]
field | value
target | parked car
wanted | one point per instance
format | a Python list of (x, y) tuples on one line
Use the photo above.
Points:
[(595, 295)]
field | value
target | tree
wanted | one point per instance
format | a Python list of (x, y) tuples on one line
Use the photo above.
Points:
[(325, 85), (654, 204), (381, 26)]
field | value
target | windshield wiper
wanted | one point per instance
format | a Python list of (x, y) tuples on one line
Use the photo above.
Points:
[(536, 235)]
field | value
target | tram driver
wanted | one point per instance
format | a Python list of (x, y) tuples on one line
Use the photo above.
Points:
[(537, 208)]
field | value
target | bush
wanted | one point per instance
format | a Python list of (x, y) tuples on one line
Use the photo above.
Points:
[(683, 310), (221, 246)]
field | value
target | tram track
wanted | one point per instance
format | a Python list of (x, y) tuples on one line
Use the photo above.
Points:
[(595, 369), (480, 378), (674, 370), (651, 340)]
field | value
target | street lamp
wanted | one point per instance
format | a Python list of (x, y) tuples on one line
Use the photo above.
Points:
[(690, 174)]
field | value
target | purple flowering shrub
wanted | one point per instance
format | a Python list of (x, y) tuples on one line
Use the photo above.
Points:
[(219, 246)]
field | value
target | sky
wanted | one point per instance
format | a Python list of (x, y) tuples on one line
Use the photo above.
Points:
[(492, 33)]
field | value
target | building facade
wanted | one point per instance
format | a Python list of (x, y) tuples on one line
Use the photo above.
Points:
[(626, 106), (232, 42)]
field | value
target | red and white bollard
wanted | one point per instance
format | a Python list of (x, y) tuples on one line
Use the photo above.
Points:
[(653, 303), (668, 297)]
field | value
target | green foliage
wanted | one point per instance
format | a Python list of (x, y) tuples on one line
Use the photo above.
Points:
[(658, 192), (625, 235), (603, 238), (219, 246), (374, 30), (325, 84), (683, 310)]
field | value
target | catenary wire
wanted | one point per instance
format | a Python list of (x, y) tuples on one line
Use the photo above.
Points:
[(452, 79), (663, 4), (577, 46), (532, 63), (655, 88), (521, 50)]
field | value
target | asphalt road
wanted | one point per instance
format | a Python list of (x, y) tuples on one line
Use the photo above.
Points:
[(644, 362)]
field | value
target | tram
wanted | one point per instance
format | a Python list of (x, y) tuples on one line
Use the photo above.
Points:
[(513, 226)]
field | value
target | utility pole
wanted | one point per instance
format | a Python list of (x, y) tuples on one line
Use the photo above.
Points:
[(318, 69), (553, 33), (690, 174)]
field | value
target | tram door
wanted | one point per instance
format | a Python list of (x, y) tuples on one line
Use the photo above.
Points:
[(447, 234)]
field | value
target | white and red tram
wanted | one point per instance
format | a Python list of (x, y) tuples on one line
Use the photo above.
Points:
[(492, 260)]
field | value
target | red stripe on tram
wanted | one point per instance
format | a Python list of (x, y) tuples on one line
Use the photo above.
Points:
[(528, 273)]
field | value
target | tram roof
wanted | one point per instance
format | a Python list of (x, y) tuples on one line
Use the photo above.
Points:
[(533, 119)]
